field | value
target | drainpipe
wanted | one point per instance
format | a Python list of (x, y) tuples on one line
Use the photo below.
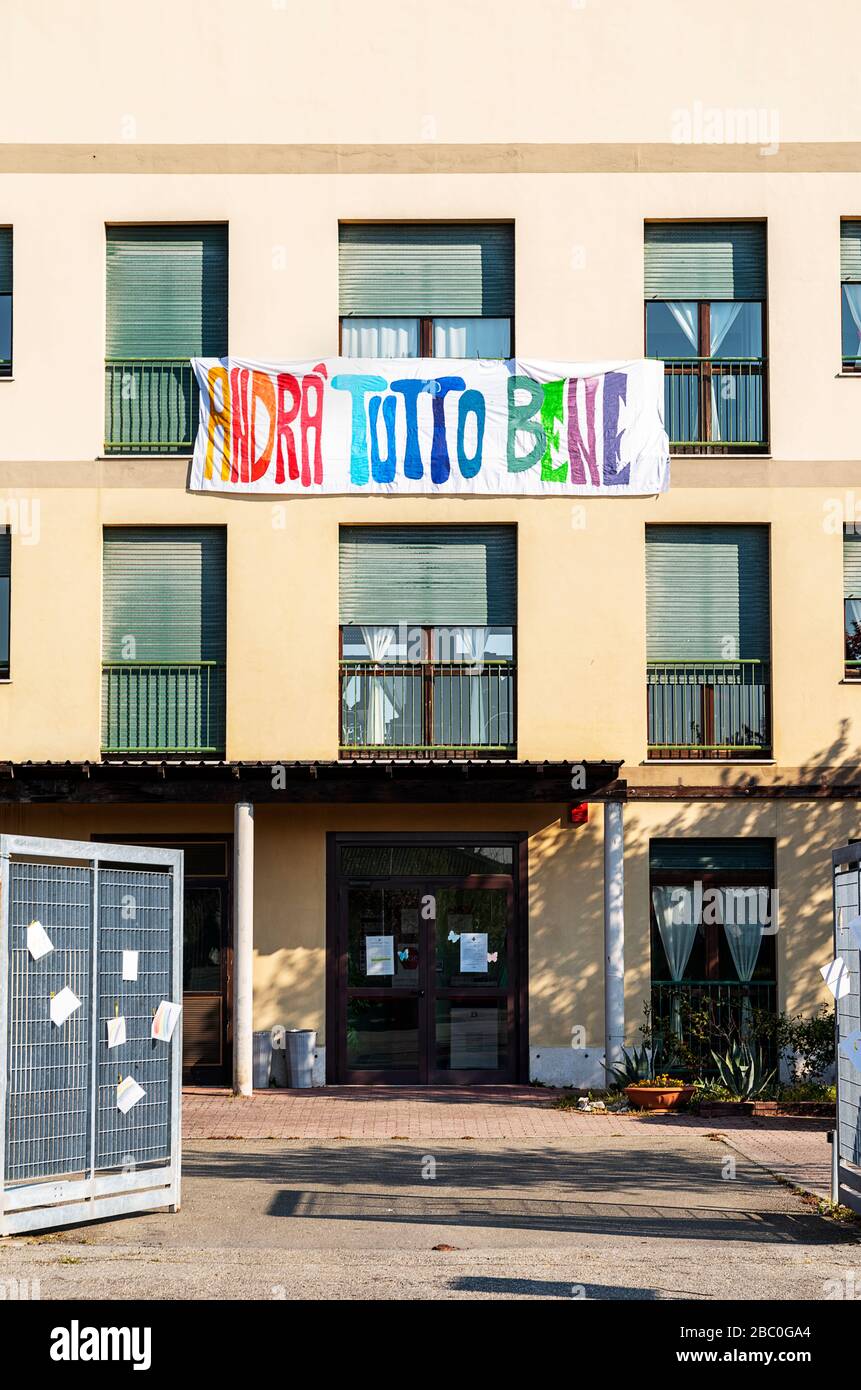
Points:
[(243, 946), (614, 934)]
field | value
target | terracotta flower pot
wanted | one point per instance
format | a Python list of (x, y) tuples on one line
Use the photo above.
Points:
[(659, 1097)]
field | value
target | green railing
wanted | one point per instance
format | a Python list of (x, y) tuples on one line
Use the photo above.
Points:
[(702, 1015), (852, 364), (151, 405), (708, 708), (429, 709), (716, 404), (163, 707), (5, 366)]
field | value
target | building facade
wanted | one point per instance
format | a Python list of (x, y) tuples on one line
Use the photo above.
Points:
[(375, 770)]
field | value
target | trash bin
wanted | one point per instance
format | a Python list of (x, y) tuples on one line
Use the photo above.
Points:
[(261, 1061), (301, 1051), (278, 1067)]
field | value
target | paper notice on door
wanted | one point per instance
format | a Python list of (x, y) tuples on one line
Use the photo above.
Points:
[(379, 955), (473, 953), (474, 1039), (128, 1094), (116, 1031), (39, 942), (63, 1005), (130, 965)]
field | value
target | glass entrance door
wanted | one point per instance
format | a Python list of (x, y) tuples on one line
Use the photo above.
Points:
[(428, 986)]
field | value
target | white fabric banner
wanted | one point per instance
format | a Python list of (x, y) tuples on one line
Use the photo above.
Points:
[(430, 425)]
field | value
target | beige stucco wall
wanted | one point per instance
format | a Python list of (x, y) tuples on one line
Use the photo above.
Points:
[(603, 70)]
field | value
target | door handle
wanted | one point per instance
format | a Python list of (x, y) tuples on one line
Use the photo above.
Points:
[(421, 994)]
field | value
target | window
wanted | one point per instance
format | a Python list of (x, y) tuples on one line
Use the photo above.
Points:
[(713, 945), (431, 290), (708, 641), (850, 294), (427, 638), (164, 640), (5, 301), (852, 603), (166, 302), (5, 599), (705, 287)]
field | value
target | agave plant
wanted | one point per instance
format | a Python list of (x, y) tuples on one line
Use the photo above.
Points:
[(641, 1064), (743, 1072)]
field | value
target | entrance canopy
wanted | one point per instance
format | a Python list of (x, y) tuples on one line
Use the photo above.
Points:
[(366, 780)]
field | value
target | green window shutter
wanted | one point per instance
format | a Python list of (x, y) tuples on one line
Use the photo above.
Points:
[(5, 260), (709, 856), (851, 564), (698, 260), (441, 268), (850, 252), (428, 575), (165, 587), (166, 291), (704, 585)]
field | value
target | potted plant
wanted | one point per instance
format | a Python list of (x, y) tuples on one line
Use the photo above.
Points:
[(659, 1093)]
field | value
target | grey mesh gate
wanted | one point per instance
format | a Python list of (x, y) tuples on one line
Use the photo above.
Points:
[(112, 915), (847, 907)]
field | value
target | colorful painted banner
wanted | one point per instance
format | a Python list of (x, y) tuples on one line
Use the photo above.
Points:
[(426, 425)]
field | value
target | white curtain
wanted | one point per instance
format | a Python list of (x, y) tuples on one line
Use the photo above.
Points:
[(744, 938), (723, 316), (852, 296), (381, 708), (678, 932), (378, 337), (685, 314), (471, 338), (474, 641)]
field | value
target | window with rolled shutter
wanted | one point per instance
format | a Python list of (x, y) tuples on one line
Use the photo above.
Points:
[(705, 291), (440, 289), (164, 639), (166, 303), (852, 602), (427, 639), (5, 301), (850, 293), (708, 640), (5, 598)]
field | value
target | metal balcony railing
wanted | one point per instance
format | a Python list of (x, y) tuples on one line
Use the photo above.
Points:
[(151, 405), (702, 1015), (5, 366), (714, 709), (716, 404), (163, 707), (427, 709)]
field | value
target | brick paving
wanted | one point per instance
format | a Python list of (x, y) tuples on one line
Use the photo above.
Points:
[(795, 1150)]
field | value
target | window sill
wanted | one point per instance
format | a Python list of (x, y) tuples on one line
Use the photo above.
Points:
[(710, 762), (849, 680), (724, 458), (145, 458)]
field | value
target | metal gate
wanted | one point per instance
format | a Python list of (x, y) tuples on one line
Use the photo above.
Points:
[(846, 1181), (68, 1152)]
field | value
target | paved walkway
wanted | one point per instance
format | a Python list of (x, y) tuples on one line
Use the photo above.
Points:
[(615, 1210), (795, 1150)]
